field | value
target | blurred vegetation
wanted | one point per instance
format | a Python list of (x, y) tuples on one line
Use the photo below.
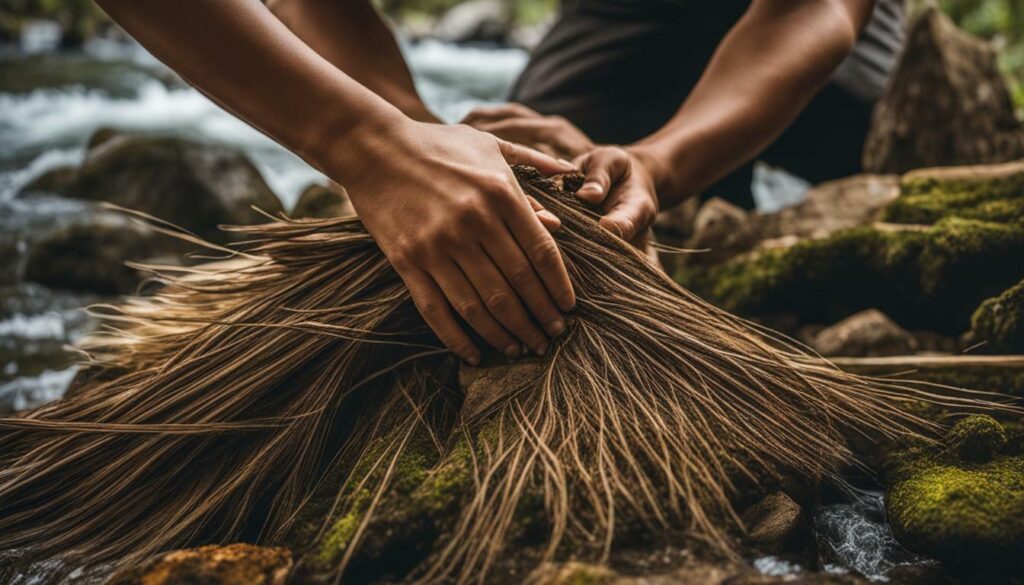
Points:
[(1002, 22), (523, 11), (79, 19)]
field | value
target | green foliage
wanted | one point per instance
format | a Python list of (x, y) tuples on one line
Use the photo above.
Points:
[(1003, 22)]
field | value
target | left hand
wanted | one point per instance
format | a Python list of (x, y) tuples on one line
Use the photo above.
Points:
[(552, 135), (621, 182)]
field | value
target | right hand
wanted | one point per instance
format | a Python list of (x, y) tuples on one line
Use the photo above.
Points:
[(446, 210)]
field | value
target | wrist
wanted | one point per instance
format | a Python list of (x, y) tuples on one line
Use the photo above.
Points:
[(348, 149), (668, 184)]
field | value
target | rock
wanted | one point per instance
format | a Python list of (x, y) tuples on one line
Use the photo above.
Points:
[(999, 321), (923, 277), (476, 21), (978, 438), (55, 181), (192, 185), (234, 564), (89, 253), (967, 513), (864, 334), (100, 136), (323, 201), (678, 223), (723, 229), (776, 524), (984, 192), (947, 104), (830, 207)]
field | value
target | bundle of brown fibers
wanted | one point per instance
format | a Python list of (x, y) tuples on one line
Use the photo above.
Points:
[(218, 407)]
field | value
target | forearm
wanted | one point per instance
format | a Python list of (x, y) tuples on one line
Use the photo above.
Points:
[(764, 72), (239, 54), (354, 38)]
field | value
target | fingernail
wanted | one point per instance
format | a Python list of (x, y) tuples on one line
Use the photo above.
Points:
[(592, 186), (556, 327), (473, 360), (512, 351)]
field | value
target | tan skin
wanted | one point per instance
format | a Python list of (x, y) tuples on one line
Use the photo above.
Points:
[(763, 73), (441, 201), (325, 79)]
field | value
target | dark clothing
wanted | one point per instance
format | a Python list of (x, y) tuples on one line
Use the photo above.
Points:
[(620, 69)]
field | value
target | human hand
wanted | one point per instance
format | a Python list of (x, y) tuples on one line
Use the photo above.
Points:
[(446, 210), (621, 181), (552, 135)]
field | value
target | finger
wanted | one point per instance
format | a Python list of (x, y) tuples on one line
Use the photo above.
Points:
[(520, 155), (520, 130), (499, 297), (540, 250), (455, 282), (432, 305), (550, 220), (484, 114), (629, 215), (602, 167)]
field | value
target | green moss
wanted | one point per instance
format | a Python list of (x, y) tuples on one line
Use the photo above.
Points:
[(977, 438), (961, 502), (999, 321), (932, 278), (928, 199)]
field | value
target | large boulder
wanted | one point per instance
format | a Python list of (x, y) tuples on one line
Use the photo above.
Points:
[(947, 104), (193, 185), (961, 502), (89, 253), (950, 240)]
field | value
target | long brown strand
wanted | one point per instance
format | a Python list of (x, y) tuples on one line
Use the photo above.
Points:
[(217, 406)]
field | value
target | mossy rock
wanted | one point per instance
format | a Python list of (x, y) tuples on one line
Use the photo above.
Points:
[(961, 502), (930, 277), (988, 193), (235, 564), (999, 321)]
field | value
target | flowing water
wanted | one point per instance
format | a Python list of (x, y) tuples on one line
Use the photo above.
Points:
[(51, 103)]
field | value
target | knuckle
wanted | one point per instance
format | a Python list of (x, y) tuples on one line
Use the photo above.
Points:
[(470, 310), (544, 255), (499, 301), (521, 276)]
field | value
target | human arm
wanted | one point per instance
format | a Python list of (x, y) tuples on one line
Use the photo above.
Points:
[(352, 36), (763, 73), (440, 201)]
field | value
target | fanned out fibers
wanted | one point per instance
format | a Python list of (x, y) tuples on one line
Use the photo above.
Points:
[(218, 406)]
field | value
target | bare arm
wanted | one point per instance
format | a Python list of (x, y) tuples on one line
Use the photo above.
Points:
[(352, 36), (763, 74), (441, 201)]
